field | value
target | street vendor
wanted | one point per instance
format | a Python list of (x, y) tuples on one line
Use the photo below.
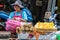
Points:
[(19, 12), (18, 15)]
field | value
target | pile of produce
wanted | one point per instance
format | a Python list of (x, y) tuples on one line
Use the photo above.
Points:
[(27, 27), (45, 25)]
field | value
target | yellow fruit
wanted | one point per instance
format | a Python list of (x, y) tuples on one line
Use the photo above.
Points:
[(45, 25), (51, 24)]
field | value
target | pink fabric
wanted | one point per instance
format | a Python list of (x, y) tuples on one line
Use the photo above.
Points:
[(12, 25)]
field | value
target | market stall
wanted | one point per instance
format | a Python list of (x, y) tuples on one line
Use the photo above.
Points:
[(45, 27), (38, 29)]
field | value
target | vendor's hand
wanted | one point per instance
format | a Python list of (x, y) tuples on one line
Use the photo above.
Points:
[(19, 19), (18, 30), (23, 20), (13, 19)]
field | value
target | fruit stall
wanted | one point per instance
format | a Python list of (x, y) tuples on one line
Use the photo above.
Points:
[(40, 28)]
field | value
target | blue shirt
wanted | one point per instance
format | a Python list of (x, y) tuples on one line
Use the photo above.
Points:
[(24, 15)]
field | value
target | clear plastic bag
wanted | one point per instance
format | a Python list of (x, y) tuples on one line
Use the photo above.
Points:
[(51, 36)]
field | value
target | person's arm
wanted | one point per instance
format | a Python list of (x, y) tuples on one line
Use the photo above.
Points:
[(11, 15), (24, 16)]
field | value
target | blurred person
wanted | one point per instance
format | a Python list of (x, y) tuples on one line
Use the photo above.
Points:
[(20, 14), (19, 10), (48, 17)]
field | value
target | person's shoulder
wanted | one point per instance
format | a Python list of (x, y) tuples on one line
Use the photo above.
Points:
[(23, 11), (12, 12)]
